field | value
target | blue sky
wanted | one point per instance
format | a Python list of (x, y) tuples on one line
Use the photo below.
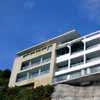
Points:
[(24, 23)]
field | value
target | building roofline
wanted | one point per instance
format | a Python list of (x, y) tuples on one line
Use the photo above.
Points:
[(82, 37), (52, 39)]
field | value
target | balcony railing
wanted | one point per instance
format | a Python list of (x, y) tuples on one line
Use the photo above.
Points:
[(76, 74), (95, 69), (77, 64), (93, 46), (62, 58), (60, 78), (78, 51), (36, 64), (93, 59), (64, 68)]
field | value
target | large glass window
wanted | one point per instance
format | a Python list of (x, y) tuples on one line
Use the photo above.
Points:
[(95, 69), (25, 65), (75, 74), (92, 43), (77, 61), (60, 78), (76, 47), (34, 73), (45, 69), (62, 51), (35, 61), (62, 65), (46, 57), (22, 76)]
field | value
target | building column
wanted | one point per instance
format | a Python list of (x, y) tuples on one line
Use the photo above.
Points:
[(84, 53), (16, 68), (69, 61), (53, 61)]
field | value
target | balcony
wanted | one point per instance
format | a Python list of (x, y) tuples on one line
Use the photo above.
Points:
[(62, 58), (95, 69), (93, 58), (77, 47), (62, 66), (67, 77), (78, 61), (60, 78), (77, 64), (75, 76), (36, 72), (36, 61), (93, 44)]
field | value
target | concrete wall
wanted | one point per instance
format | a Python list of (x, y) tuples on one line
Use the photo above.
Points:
[(39, 80), (67, 92), (15, 70)]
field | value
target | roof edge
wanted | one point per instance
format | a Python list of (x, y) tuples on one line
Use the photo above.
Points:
[(52, 39)]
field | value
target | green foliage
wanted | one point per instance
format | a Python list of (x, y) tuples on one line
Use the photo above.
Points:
[(22, 93), (5, 74), (4, 77), (43, 92)]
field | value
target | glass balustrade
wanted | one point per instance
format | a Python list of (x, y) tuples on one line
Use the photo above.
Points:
[(77, 64), (75, 75), (60, 78), (93, 46), (95, 69), (33, 73), (93, 59), (32, 64)]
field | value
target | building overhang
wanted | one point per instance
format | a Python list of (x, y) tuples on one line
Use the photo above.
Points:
[(67, 36)]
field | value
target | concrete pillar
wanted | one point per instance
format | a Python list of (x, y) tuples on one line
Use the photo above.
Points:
[(83, 72), (84, 53), (53, 61), (88, 71), (69, 61), (16, 68)]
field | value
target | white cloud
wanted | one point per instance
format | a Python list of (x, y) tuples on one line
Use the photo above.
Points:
[(29, 4), (92, 9)]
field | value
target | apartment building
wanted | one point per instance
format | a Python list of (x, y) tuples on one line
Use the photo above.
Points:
[(68, 58)]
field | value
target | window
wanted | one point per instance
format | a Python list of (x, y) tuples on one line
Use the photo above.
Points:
[(49, 47), (45, 69), (62, 65), (34, 73), (60, 78), (35, 61), (62, 51), (46, 57), (25, 65), (22, 76), (77, 61), (76, 74), (95, 69), (76, 47)]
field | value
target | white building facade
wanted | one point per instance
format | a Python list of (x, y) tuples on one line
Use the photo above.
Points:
[(68, 58)]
